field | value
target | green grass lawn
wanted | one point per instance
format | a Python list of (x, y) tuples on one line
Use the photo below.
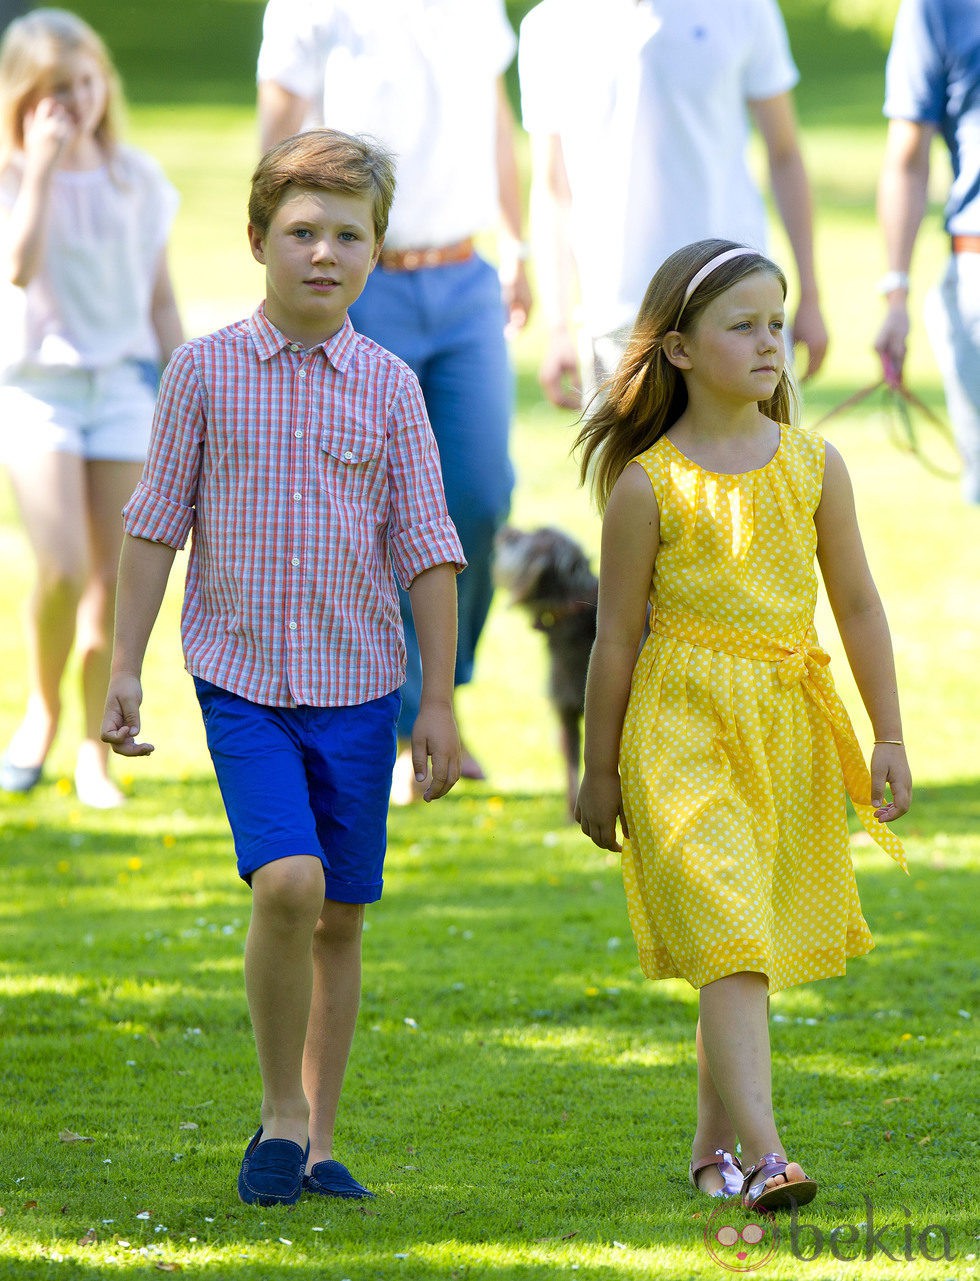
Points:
[(519, 1096)]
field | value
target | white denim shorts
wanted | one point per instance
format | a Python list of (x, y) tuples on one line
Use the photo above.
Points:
[(102, 414)]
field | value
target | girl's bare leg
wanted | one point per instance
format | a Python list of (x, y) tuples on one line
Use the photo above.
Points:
[(715, 1129), (735, 1031), (49, 489), (108, 487)]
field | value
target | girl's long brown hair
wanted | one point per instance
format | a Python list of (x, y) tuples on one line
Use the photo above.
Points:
[(646, 395), (33, 46)]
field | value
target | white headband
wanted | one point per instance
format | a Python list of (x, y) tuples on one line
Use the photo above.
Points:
[(711, 265)]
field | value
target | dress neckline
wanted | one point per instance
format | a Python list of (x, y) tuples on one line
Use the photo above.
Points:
[(752, 471)]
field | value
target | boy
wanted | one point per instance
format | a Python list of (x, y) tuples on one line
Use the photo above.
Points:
[(300, 454)]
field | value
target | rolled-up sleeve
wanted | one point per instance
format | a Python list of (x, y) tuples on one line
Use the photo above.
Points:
[(162, 508), (421, 533)]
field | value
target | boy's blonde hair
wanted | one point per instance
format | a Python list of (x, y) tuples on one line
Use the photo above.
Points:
[(327, 159), (646, 395), (32, 49)]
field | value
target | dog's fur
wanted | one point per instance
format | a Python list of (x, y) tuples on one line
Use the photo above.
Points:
[(548, 575)]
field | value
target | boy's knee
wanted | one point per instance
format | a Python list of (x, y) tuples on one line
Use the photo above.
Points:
[(289, 886), (340, 924)]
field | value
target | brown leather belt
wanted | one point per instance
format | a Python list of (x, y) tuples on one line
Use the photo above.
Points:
[(966, 244), (413, 259)]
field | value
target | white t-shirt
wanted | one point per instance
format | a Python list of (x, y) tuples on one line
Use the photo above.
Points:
[(649, 98), (88, 306), (418, 75)]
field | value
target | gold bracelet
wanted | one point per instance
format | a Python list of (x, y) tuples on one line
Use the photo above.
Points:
[(889, 742)]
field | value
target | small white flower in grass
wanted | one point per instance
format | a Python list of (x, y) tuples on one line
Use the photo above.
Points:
[(208, 1220), (130, 1062), (160, 1228), (317, 1229), (285, 1241), (410, 1023), (401, 1256), (143, 1214), (964, 1014), (107, 1160)]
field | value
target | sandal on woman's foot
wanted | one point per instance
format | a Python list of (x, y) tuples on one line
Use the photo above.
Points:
[(726, 1165), (755, 1194)]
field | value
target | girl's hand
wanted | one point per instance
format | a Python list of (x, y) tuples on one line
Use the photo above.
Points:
[(599, 805), (49, 128), (889, 764)]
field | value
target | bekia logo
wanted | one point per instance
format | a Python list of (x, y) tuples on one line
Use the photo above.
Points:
[(738, 1239), (741, 1240)]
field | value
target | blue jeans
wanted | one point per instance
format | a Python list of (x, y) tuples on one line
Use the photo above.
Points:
[(447, 323), (953, 321)]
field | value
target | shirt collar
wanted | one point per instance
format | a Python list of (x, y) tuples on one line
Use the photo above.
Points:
[(269, 341)]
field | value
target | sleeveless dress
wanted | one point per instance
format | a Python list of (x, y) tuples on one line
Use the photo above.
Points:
[(736, 750)]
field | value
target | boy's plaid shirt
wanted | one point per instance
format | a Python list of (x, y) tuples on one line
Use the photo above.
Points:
[(310, 479)]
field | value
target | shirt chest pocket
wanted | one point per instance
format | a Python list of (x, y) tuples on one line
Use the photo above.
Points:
[(351, 461)]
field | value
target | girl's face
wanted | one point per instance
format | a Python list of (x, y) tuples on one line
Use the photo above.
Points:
[(736, 347), (78, 85)]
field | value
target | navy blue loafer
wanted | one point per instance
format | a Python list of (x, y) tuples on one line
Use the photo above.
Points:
[(272, 1172), (330, 1178)]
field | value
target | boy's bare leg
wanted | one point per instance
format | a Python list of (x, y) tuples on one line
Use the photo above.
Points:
[(715, 1129), (287, 897), (735, 1033), (333, 1017)]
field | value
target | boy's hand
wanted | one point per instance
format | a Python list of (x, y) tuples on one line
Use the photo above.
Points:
[(435, 737), (121, 722)]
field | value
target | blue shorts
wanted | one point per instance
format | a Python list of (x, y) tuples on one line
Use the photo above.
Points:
[(306, 780)]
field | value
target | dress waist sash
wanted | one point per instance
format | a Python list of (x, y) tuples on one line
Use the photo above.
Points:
[(801, 663)]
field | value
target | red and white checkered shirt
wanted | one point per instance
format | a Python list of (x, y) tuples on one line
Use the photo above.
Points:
[(310, 479)]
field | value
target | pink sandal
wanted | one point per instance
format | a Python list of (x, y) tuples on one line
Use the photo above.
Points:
[(755, 1195), (727, 1166)]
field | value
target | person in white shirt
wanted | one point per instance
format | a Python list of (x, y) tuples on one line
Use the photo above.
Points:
[(639, 113), (87, 319), (424, 77)]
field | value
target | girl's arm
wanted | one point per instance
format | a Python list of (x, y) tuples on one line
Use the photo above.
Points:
[(164, 314), (434, 734), (864, 631), (47, 131), (630, 542)]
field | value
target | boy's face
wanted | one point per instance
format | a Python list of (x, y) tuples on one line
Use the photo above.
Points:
[(318, 252)]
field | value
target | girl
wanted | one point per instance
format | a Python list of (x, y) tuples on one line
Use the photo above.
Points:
[(87, 315), (725, 751)]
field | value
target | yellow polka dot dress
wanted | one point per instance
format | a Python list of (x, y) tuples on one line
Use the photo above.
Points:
[(736, 751)]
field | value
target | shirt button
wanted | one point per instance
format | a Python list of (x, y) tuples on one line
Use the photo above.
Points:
[(297, 497), (292, 625), (294, 560), (348, 455), (299, 432), (294, 346), (302, 373)]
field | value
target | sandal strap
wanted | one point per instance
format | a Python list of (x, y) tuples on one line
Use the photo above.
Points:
[(767, 1167), (727, 1165)]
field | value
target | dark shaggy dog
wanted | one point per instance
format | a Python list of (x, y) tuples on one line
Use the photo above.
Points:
[(548, 575)]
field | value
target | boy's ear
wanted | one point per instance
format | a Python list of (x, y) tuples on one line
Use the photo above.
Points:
[(675, 349), (256, 242), (378, 246)]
